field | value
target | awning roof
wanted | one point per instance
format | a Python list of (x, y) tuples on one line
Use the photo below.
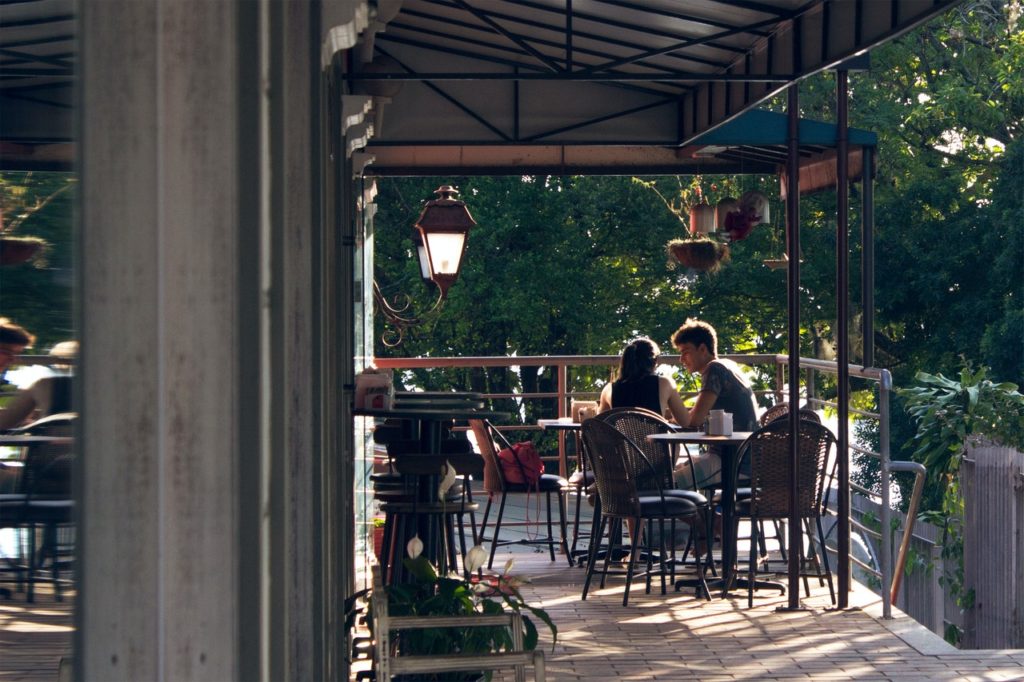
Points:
[(753, 142), (513, 84), (38, 53), (583, 85)]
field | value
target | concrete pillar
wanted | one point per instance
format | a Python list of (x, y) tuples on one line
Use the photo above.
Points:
[(202, 358)]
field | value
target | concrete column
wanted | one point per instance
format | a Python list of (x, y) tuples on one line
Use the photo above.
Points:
[(200, 443)]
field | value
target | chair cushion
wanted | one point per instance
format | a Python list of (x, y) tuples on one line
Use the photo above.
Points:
[(577, 477), (741, 494), (548, 483), (691, 495), (652, 506)]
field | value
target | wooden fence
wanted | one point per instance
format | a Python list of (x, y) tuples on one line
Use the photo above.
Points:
[(993, 486)]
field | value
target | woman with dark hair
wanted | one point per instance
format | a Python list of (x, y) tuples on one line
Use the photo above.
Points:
[(638, 386)]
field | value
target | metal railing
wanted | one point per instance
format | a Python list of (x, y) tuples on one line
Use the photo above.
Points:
[(564, 394)]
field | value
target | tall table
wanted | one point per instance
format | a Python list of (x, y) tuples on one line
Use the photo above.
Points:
[(24, 440), (562, 426), (427, 425), (728, 453)]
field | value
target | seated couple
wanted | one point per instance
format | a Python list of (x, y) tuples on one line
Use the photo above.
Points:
[(723, 387)]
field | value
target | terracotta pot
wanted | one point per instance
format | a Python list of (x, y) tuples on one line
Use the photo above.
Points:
[(378, 541)]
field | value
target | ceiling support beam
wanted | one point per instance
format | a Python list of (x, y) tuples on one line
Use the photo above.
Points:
[(566, 45), (680, 46), (776, 54), (576, 76), (693, 19), (601, 119), (568, 35), (534, 23), (500, 30), (401, 40), (454, 101)]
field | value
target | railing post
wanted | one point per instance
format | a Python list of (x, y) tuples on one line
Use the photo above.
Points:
[(884, 387), (563, 411), (936, 593), (780, 381)]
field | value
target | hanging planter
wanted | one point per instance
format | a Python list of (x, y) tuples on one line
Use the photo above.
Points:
[(703, 255), (14, 250), (702, 218)]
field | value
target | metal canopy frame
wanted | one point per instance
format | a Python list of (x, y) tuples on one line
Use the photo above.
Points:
[(590, 85), (598, 73)]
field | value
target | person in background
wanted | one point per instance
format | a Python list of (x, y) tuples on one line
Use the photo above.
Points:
[(14, 339), (638, 386), (46, 396), (723, 387)]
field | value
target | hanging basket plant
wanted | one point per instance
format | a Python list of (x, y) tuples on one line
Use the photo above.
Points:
[(703, 255), (14, 250)]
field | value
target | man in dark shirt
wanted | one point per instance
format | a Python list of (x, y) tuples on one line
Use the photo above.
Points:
[(723, 387)]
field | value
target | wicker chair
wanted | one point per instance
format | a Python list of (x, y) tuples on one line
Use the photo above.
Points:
[(618, 465), (768, 449), (491, 441), (637, 423), (780, 410), (43, 506), (774, 414)]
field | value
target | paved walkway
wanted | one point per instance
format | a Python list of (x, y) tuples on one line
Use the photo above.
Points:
[(34, 637), (677, 637), (671, 637)]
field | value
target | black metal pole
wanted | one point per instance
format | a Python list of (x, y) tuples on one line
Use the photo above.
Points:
[(843, 334), (793, 305), (867, 256)]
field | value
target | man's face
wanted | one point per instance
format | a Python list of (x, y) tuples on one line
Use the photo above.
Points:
[(692, 357), (8, 351)]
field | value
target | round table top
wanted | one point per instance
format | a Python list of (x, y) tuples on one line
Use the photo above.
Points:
[(558, 425), (433, 413), (23, 439), (700, 437)]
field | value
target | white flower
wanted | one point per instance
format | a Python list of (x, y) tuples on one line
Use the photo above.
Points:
[(414, 547), (448, 477), (508, 566), (475, 558)]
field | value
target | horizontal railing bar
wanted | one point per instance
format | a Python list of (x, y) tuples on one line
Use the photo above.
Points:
[(870, 569), (870, 531), (864, 451), (830, 366), (852, 410)]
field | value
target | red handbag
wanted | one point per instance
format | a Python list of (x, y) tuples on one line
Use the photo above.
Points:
[(521, 464)]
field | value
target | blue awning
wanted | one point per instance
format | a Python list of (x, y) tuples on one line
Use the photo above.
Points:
[(760, 128)]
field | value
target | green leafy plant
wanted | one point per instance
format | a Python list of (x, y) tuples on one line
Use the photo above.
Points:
[(947, 413), (431, 594)]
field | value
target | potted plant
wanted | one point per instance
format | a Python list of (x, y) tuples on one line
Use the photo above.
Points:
[(955, 417), (701, 254), (378, 538), (431, 594)]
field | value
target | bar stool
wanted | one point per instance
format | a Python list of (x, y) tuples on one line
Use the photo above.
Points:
[(405, 503)]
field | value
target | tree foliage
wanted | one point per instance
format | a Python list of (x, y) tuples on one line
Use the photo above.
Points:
[(37, 294)]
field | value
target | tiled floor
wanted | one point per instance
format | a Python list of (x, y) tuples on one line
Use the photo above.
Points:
[(34, 637), (671, 637), (677, 637)]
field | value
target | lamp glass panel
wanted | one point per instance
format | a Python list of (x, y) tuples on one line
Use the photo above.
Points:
[(445, 249), (421, 253)]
